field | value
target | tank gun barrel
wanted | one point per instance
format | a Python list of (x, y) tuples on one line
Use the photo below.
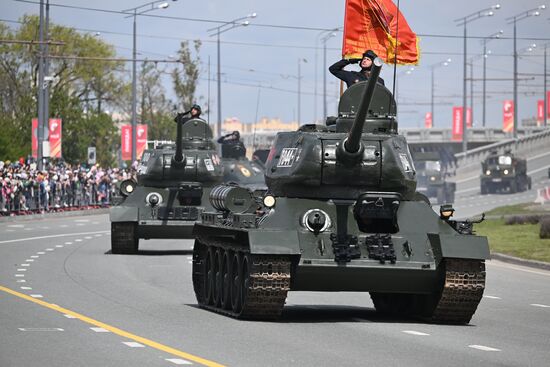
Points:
[(178, 156), (352, 144)]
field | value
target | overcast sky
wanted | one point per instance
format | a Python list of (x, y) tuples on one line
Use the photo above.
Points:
[(259, 55)]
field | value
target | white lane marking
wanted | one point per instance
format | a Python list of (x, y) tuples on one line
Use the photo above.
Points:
[(484, 348), (80, 224), (68, 243), (52, 236), (412, 332), (25, 264), (16, 226), (26, 288), (21, 281), (30, 260), (539, 305), (98, 235), (513, 267), (9, 230), (37, 296), (88, 237), (134, 344), (69, 316), (40, 329), (20, 275), (99, 330), (41, 253), (50, 249), (28, 229), (81, 220), (21, 269), (59, 246), (492, 297), (177, 361), (78, 240)]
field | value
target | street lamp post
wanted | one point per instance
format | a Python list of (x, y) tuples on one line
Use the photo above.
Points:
[(40, 127), (324, 40), (545, 110), (227, 26), (433, 67), (486, 53), (316, 91), (488, 12), (300, 61), (138, 10), (513, 20)]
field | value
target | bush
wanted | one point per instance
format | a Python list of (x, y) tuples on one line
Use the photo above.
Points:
[(544, 227), (522, 219)]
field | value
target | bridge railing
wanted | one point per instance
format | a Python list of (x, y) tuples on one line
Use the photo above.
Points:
[(474, 134)]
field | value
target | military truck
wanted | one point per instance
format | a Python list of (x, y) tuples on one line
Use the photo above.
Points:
[(341, 214), (432, 175), (171, 191), (504, 173)]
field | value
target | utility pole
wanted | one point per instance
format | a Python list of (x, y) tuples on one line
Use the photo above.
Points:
[(40, 127), (545, 90)]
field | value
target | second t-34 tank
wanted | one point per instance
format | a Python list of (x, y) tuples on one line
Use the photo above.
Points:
[(172, 188), (341, 214)]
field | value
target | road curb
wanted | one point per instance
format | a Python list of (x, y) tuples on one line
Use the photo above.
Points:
[(72, 213), (519, 261)]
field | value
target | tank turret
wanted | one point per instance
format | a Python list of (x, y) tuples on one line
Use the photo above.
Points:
[(357, 151)]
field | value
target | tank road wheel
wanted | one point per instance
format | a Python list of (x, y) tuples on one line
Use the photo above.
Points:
[(462, 288), (199, 270), (218, 278), (225, 300), (209, 279), (124, 238), (236, 282)]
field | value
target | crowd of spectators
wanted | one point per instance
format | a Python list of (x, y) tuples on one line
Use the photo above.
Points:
[(58, 186)]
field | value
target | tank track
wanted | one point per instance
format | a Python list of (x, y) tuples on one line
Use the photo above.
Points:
[(265, 287), (462, 291)]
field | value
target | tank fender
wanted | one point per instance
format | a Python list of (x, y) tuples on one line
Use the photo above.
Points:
[(124, 214), (274, 242), (459, 246)]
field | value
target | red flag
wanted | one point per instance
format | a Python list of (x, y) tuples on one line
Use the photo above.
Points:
[(457, 124), (377, 25), (540, 112), (141, 140), (469, 117), (126, 143), (428, 120), (55, 138), (34, 138), (508, 116)]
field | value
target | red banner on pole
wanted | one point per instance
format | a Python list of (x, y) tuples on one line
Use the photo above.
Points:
[(126, 137), (141, 140), (428, 122), (508, 116), (457, 124), (540, 112), (34, 138), (469, 117), (126, 142), (55, 126), (548, 104)]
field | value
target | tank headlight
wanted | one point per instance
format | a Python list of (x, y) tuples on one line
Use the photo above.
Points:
[(432, 178), (316, 220), (127, 187), (153, 199), (269, 201), (488, 172), (505, 171)]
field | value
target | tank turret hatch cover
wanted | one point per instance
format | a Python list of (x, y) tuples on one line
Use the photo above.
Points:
[(196, 128), (382, 104)]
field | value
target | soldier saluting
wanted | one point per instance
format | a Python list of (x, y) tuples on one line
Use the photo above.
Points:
[(352, 77)]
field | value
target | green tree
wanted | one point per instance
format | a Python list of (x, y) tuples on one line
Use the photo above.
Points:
[(186, 75)]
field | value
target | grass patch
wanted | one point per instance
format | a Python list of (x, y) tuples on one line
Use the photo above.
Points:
[(520, 240), (525, 208)]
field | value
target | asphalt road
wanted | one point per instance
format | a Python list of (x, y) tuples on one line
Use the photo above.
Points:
[(66, 301)]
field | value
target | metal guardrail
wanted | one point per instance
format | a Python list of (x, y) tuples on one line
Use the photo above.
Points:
[(474, 134)]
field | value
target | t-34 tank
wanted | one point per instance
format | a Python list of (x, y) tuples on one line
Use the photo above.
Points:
[(173, 183), (342, 214)]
